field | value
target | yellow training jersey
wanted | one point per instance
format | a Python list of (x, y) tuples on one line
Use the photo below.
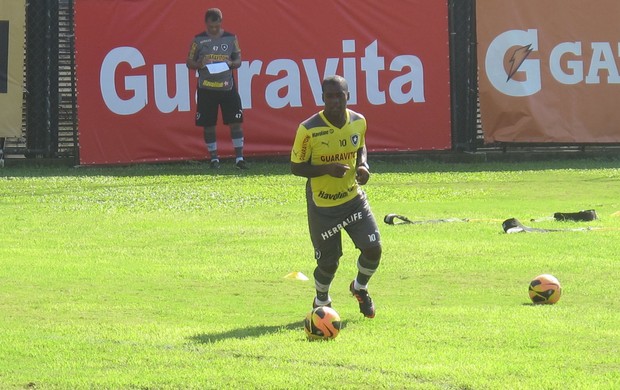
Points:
[(319, 142)]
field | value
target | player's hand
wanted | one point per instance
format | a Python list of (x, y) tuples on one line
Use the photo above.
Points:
[(337, 170), (362, 175), (204, 61)]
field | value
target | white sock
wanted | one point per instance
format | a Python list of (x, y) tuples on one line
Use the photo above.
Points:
[(358, 286), (212, 146), (238, 159), (322, 303), (237, 142)]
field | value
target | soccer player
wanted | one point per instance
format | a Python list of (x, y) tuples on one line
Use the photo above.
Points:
[(330, 151), (216, 86)]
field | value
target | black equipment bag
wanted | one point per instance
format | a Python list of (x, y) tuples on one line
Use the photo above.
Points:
[(581, 216)]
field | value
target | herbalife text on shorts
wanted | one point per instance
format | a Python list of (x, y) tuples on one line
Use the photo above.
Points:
[(349, 220)]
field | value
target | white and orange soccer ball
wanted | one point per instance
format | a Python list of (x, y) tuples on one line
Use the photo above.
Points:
[(322, 323), (545, 288)]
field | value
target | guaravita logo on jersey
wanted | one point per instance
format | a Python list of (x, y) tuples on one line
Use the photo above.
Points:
[(355, 139)]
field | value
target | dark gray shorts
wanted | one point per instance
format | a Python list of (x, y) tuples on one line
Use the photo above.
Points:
[(210, 101), (327, 223)]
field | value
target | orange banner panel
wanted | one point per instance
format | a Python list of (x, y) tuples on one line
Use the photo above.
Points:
[(549, 70)]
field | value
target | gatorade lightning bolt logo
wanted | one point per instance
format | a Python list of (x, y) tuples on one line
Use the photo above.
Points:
[(518, 56)]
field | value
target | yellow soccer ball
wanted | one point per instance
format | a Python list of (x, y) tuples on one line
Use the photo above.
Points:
[(322, 323), (545, 289)]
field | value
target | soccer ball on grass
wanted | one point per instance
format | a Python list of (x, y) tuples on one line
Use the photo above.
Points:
[(322, 323), (545, 289)]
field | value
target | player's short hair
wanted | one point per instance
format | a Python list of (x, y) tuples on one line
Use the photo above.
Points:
[(213, 15), (335, 80)]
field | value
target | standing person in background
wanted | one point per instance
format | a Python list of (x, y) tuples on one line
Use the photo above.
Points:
[(214, 53), (330, 151)]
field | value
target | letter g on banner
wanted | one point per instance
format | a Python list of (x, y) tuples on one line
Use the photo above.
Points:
[(135, 84), (514, 46)]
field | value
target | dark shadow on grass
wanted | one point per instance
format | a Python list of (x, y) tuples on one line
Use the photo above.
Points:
[(250, 332), (531, 304)]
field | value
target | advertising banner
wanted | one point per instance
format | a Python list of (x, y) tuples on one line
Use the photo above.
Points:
[(12, 22), (137, 100), (549, 70)]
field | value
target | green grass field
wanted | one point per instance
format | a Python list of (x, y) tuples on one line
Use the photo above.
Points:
[(172, 277)]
